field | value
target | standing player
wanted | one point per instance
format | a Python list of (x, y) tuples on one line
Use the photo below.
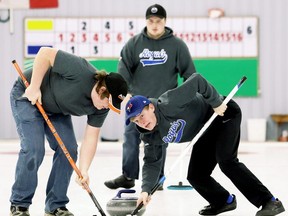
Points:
[(177, 116), (150, 63), (68, 85)]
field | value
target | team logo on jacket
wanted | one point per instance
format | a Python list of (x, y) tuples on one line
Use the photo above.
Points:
[(148, 58), (175, 132)]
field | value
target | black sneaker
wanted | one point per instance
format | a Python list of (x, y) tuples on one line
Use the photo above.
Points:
[(213, 210), (271, 208), (160, 188), (62, 211), (120, 181), (18, 211)]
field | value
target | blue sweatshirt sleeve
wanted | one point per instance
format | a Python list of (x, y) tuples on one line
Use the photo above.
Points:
[(154, 152), (185, 64), (127, 62), (188, 91), (151, 169)]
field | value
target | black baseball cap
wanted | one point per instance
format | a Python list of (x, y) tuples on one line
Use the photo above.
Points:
[(117, 88), (156, 10)]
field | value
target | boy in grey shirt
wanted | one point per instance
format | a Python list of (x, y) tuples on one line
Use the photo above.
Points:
[(65, 85)]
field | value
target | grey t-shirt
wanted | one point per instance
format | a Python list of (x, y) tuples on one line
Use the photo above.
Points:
[(66, 88)]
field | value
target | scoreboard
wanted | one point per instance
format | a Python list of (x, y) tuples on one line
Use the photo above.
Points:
[(105, 37), (223, 49)]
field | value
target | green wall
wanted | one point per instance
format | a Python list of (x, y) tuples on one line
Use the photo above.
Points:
[(224, 74)]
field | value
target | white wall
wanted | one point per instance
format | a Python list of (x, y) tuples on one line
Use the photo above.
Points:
[(273, 47)]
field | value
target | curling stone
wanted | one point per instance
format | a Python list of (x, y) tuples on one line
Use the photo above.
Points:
[(123, 206)]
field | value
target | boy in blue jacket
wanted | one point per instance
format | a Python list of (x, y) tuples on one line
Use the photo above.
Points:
[(177, 116)]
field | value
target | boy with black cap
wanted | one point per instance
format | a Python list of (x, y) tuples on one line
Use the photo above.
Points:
[(68, 85), (177, 116), (154, 57)]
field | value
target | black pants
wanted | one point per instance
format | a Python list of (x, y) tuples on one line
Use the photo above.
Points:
[(219, 145)]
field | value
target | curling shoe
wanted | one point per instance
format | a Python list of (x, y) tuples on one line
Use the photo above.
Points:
[(62, 211), (160, 188), (215, 210), (18, 211), (271, 208), (120, 181)]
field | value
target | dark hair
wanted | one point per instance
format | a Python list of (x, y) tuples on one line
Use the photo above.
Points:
[(100, 81)]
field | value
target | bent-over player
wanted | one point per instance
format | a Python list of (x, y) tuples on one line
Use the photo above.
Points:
[(177, 116), (65, 85)]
